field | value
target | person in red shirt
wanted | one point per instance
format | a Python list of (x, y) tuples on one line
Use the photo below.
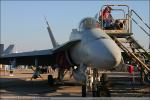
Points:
[(131, 71), (106, 17)]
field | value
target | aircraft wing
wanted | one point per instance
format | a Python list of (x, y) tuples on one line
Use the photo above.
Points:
[(27, 58), (45, 57), (65, 46)]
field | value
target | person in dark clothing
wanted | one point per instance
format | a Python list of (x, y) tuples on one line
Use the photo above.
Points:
[(116, 25)]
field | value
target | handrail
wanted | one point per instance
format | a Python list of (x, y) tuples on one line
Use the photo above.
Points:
[(133, 55), (132, 11), (139, 18), (121, 10), (148, 55), (139, 26), (111, 5)]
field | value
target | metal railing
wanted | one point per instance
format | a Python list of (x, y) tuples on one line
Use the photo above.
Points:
[(132, 11), (145, 54), (132, 55), (100, 13)]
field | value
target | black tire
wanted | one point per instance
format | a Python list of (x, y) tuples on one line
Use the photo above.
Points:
[(50, 80), (11, 71), (98, 90), (94, 93), (84, 90)]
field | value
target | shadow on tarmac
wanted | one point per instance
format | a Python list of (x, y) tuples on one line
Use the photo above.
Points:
[(18, 87)]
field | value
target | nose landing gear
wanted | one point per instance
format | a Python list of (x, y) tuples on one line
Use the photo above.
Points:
[(99, 86)]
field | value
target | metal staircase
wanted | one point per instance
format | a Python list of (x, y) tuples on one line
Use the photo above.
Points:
[(136, 57), (135, 51), (140, 51)]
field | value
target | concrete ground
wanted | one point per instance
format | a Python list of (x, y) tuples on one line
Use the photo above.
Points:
[(119, 85)]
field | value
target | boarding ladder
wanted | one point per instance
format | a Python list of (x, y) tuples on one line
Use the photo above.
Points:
[(133, 55), (136, 52)]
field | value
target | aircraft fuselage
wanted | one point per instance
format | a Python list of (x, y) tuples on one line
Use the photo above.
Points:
[(96, 49)]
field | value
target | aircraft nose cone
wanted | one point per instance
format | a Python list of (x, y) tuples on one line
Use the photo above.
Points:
[(104, 54)]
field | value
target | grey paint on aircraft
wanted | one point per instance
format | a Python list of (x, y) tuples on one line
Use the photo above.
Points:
[(96, 48), (88, 47)]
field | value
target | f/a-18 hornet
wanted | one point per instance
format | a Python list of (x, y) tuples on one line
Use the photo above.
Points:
[(88, 47)]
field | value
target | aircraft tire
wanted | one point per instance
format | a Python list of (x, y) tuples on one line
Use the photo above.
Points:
[(83, 90), (98, 90), (50, 79), (94, 93)]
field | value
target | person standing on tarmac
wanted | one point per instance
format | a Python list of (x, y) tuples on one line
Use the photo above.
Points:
[(36, 74), (131, 71), (142, 75)]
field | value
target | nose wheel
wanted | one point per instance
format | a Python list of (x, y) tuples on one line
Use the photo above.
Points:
[(100, 87), (84, 90)]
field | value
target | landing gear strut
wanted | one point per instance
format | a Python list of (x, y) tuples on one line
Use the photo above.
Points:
[(97, 86)]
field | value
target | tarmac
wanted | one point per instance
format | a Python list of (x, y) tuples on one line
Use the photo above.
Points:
[(20, 85)]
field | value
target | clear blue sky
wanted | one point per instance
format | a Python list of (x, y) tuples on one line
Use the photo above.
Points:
[(23, 24)]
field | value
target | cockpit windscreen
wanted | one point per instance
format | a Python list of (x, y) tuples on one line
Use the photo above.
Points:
[(87, 23)]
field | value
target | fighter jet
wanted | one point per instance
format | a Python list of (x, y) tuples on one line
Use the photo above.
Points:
[(88, 47)]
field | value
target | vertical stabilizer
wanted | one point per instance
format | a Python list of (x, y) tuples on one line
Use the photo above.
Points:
[(1, 49), (51, 35), (9, 49)]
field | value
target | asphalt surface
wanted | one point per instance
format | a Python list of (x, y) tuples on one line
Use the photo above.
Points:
[(120, 85)]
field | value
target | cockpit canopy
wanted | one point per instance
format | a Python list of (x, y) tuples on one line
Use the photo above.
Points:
[(87, 23)]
